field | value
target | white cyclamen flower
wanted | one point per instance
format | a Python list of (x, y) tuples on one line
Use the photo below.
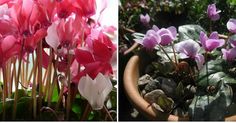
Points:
[(95, 91)]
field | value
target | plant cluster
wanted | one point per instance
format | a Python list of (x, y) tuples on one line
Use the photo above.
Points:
[(192, 73), (57, 61)]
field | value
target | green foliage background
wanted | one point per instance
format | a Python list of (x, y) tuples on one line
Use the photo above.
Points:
[(166, 13)]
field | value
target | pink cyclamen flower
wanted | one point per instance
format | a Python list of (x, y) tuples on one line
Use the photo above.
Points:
[(25, 16), (145, 19), (229, 55), (4, 1), (96, 59), (84, 8), (150, 40), (212, 13), (167, 35), (212, 42), (190, 49), (9, 47), (64, 33), (231, 25), (155, 36)]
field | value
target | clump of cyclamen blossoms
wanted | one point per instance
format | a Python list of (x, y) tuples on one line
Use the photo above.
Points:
[(78, 44), (156, 36)]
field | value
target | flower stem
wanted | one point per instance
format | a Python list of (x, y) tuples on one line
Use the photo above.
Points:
[(51, 88), (210, 26), (108, 113), (27, 70), (32, 70), (4, 91), (54, 81), (68, 106), (34, 89), (23, 73), (17, 83), (12, 76), (87, 110), (49, 73), (60, 97), (176, 62), (166, 54), (39, 54), (207, 74)]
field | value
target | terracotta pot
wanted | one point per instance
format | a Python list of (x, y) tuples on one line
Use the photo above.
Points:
[(131, 76)]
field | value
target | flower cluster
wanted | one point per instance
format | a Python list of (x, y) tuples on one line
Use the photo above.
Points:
[(189, 48), (69, 28), (156, 36)]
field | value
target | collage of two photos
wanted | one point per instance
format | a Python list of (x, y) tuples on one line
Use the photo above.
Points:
[(117, 60)]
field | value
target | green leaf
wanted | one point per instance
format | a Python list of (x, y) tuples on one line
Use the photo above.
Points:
[(91, 115), (159, 100), (24, 108), (189, 32), (55, 95), (164, 67), (214, 95), (21, 93), (179, 90), (216, 72), (165, 103), (9, 103), (211, 106), (76, 108), (138, 36)]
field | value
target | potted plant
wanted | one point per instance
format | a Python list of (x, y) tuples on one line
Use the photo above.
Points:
[(184, 74), (57, 60)]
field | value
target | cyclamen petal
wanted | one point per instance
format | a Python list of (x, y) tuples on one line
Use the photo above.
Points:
[(9, 47), (145, 19), (229, 55), (173, 31), (212, 12), (7, 43), (214, 35), (203, 37), (4, 1), (52, 38), (200, 60), (155, 28), (95, 91), (167, 35), (188, 47), (150, 42), (212, 42), (165, 39), (231, 25)]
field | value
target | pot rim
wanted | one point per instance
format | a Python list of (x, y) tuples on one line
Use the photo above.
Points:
[(131, 75)]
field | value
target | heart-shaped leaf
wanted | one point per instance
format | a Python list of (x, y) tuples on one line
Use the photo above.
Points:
[(189, 32)]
